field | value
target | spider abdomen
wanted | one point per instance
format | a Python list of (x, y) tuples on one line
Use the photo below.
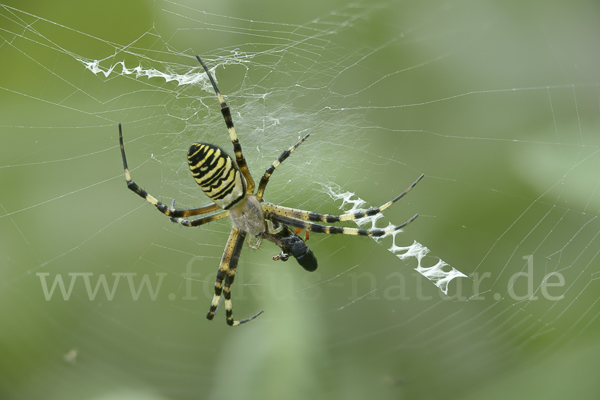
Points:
[(217, 174)]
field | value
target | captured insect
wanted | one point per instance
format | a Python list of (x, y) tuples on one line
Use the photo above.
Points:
[(228, 183)]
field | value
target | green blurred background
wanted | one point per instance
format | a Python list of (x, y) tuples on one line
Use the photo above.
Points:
[(496, 102)]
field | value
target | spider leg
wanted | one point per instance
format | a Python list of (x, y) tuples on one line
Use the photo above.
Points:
[(308, 226), (237, 147), (171, 212), (265, 179), (200, 221), (313, 216), (226, 275), (256, 245), (189, 212)]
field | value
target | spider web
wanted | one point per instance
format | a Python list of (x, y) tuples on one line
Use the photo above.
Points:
[(490, 293)]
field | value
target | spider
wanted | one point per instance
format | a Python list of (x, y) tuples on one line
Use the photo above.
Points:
[(228, 183)]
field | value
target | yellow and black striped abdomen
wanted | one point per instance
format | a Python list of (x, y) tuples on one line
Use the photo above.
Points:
[(217, 174)]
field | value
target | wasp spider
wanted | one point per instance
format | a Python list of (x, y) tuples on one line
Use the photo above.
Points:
[(228, 183)]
